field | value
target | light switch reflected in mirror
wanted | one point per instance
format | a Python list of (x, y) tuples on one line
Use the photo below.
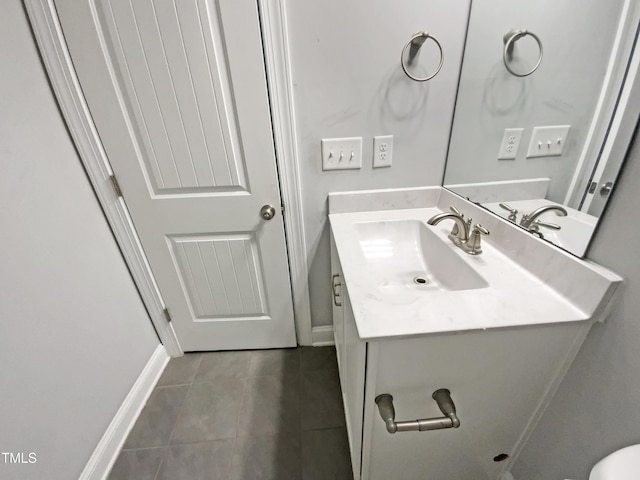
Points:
[(558, 135)]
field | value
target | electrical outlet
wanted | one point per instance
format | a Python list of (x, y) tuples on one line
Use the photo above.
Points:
[(341, 153), (510, 143), (382, 151), (548, 141)]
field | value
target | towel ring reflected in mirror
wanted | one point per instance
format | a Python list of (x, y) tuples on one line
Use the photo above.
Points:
[(509, 39), (415, 42)]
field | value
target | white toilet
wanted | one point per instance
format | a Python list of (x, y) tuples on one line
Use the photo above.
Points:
[(621, 465)]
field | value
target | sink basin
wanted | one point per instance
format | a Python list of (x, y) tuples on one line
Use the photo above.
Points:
[(381, 242), (407, 255)]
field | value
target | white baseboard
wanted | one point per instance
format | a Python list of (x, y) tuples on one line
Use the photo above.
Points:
[(106, 453), (322, 336)]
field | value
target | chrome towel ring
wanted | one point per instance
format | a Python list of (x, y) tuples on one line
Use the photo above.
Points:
[(415, 42), (509, 39)]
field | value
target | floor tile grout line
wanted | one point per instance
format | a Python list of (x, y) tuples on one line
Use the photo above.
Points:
[(226, 439), (338, 427), (233, 452), (196, 442), (155, 389), (161, 463), (244, 389), (197, 368), (186, 382), (140, 448), (212, 381), (209, 380), (235, 439), (158, 387), (175, 420)]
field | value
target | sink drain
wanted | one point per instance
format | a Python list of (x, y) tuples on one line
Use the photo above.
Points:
[(420, 280)]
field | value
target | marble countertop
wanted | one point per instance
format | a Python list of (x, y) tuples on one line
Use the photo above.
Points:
[(518, 292)]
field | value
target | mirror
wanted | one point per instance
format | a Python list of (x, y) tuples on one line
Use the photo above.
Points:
[(557, 65)]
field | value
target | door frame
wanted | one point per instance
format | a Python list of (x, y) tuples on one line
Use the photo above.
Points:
[(275, 37), (622, 126), (66, 88), (614, 81)]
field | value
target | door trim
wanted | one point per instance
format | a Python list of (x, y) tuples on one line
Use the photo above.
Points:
[(55, 56), (607, 104), (273, 21), (622, 125)]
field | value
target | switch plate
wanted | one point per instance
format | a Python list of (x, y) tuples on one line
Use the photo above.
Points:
[(510, 143), (382, 151), (548, 141), (341, 153)]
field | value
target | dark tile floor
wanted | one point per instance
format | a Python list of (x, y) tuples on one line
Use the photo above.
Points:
[(255, 414)]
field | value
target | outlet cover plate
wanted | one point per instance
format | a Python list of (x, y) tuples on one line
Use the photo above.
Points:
[(510, 143), (382, 151), (341, 153), (548, 141)]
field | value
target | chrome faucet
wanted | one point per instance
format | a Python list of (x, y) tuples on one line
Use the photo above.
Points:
[(460, 236), (460, 231), (531, 222)]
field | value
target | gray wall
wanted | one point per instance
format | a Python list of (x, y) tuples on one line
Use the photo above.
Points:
[(348, 82), (74, 335), (596, 410), (577, 37)]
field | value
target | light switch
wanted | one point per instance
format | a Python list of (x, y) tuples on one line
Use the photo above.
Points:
[(510, 143), (341, 153), (548, 141)]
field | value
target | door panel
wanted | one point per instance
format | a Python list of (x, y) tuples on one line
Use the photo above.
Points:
[(200, 262), (178, 95)]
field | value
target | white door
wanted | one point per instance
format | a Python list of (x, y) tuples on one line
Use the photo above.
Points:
[(178, 95)]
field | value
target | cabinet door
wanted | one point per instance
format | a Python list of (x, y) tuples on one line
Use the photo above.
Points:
[(337, 286), (498, 380), (355, 356), (351, 353)]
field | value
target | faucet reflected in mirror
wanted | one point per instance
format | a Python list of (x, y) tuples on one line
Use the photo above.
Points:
[(523, 145), (530, 221)]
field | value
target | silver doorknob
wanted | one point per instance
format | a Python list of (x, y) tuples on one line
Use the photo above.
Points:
[(606, 189), (267, 212)]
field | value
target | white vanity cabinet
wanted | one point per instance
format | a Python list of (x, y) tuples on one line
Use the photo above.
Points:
[(414, 314), (351, 354), (499, 380)]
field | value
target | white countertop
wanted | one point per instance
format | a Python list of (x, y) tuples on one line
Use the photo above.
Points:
[(514, 296)]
